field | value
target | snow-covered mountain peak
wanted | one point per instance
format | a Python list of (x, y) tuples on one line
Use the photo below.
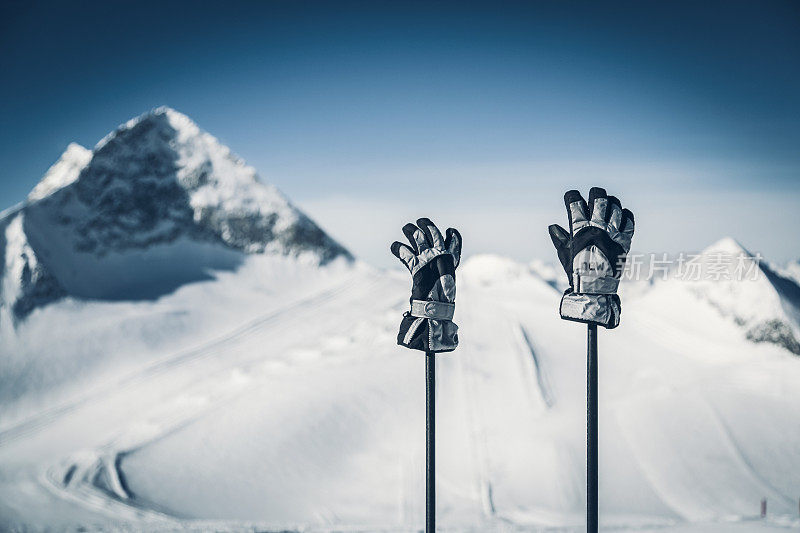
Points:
[(157, 203), (217, 186), (164, 115), (740, 285), (726, 246), (63, 172), (159, 177)]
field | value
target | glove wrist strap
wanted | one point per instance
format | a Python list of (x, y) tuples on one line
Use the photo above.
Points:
[(602, 309), (433, 309)]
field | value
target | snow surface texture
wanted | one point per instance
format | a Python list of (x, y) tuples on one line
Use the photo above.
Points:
[(156, 204), (270, 395), (286, 404)]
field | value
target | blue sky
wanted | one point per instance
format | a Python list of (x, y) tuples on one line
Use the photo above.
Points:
[(478, 115)]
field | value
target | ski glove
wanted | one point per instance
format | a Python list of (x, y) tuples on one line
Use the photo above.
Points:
[(593, 255), (432, 261)]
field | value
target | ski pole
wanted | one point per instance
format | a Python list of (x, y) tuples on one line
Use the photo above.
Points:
[(430, 442), (593, 254), (591, 429), (428, 326)]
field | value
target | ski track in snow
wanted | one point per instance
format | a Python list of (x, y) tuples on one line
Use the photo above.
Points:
[(534, 366)]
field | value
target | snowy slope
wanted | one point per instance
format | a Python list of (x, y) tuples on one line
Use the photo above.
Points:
[(288, 405), (158, 203)]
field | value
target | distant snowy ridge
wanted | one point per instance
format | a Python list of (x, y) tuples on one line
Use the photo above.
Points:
[(156, 198), (761, 300), (757, 297), (747, 290)]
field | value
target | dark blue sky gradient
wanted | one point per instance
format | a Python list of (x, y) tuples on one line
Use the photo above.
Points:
[(501, 101)]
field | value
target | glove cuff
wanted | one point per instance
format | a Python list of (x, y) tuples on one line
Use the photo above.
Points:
[(428, 334), (433, 309), (601, 309)]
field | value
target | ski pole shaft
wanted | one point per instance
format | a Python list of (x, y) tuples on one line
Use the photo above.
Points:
[(591, 429), (430, 451)]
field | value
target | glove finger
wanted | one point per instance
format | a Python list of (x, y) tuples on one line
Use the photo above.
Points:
[(595, 193), (418, 240), (614, 212), (559, 236), (561, 240), (576, 210), (453, 244), (626, 235), (627, 222), (598, 204), (404, 254), (431, 232)]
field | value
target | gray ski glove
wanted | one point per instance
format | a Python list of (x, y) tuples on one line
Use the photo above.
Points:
[(593, 255), (432, 261)]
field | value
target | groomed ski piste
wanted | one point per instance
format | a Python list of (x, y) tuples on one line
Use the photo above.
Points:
[(296, 411), (270, 395)]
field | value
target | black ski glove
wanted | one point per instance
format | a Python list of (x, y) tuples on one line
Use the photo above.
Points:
[(593, 256), (432, 261)]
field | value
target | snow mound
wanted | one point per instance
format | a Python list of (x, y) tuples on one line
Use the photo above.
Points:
[(490, 269)]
